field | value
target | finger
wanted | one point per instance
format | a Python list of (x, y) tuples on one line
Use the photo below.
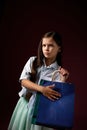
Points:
[(59, 68), (51, 98), (63, 72), (54, 97), (55, 93), (52, 86)]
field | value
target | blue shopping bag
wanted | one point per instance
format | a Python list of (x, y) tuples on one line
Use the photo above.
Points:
[(58, 113)]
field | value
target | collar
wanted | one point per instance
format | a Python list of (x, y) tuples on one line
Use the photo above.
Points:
[(54, 65)]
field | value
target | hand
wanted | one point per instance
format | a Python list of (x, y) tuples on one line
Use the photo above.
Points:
[(64, 74), (50, 93)]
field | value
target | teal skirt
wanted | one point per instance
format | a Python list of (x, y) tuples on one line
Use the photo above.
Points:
[(22, 116)]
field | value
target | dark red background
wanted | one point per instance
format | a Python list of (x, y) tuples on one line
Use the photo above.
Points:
[(22, 24)]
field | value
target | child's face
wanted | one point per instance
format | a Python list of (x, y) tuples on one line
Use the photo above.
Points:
[(50, 48)]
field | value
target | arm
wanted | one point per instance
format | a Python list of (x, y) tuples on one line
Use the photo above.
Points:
[(32, 86), (46, 91)]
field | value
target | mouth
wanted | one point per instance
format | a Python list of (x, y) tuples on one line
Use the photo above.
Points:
[(47, 53)]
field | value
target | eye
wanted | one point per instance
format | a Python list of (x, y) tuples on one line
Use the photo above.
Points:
[(51, 45), (43, 45)]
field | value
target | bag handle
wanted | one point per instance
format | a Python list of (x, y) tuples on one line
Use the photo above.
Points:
[(53, 74)]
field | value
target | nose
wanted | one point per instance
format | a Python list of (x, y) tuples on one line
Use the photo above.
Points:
[(47, 48)]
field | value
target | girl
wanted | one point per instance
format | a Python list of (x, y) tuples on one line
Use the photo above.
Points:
[(38, 67)]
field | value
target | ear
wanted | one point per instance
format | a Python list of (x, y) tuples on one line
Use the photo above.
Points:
[(59, 49)]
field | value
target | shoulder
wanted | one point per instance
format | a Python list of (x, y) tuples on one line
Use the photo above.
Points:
[(32, 58), (29, 63)]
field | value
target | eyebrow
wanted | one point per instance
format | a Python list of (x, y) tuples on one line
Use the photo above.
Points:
[(48, 43)]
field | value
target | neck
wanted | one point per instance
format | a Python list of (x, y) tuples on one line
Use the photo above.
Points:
[(49, 61)]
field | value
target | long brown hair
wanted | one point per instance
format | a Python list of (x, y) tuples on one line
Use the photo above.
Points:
[(39, 59)]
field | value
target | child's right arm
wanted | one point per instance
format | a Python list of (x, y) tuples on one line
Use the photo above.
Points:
[(46, 91)]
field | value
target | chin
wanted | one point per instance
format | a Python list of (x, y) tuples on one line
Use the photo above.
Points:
[(47, 56)]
